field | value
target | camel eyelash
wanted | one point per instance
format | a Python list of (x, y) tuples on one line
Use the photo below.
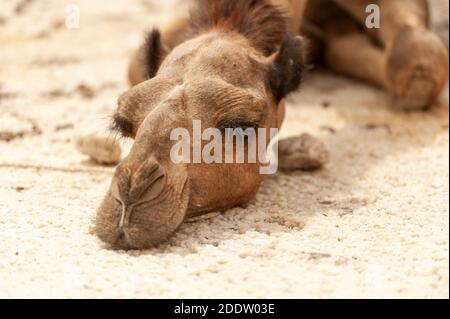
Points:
[(122, 125), (237, 123)]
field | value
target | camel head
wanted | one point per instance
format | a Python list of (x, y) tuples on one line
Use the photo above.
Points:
[(233, 71)]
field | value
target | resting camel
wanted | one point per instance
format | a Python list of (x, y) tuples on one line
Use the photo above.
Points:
[(231, 63)]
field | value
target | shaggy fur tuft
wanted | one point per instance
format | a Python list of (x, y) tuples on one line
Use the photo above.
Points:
[(153, 53), (263, 23)]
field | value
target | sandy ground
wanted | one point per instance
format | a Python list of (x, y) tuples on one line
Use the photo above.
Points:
[(374, 223)]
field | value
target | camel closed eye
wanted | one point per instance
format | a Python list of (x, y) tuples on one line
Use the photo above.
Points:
[(237, 123)]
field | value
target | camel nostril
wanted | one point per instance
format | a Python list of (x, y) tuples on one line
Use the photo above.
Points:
[(149, 183), (146, 184)]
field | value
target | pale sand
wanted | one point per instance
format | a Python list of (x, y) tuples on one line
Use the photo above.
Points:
[(374, 223)]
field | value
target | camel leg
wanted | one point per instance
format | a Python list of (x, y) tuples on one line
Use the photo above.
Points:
[(355, 55), (395, 14), (415, 69)]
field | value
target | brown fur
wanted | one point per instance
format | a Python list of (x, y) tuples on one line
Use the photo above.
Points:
[(232, 67), (261, 22)]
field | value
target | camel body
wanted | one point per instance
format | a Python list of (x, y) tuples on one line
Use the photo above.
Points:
[(230, 64), (402, 56)]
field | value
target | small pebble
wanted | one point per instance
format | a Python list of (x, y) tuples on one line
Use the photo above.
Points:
[(303, 152), (102, 150)]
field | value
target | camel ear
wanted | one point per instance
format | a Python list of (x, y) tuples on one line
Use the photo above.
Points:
[(154, 53), (287, 69)]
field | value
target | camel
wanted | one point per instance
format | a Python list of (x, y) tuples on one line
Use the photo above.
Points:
[(230, 64)]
